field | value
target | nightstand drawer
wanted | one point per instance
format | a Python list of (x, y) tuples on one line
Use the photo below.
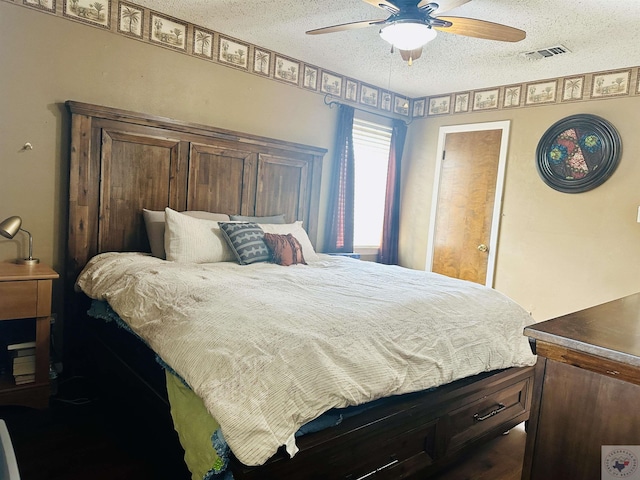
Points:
[(18, 299)]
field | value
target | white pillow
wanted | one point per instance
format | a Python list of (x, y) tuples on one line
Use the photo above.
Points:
[(194, 240), (154, 223), (297, 230)]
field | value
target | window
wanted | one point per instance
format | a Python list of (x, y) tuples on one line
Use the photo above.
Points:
[(371, 143)]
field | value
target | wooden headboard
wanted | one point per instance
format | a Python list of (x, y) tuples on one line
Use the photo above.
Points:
[(122, 162)]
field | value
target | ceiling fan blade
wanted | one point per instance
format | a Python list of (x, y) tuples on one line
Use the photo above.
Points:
[(471, 27), (410, 56), (384, 4), (345, 26)]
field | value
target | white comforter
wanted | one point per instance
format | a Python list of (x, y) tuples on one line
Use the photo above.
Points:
[(269, 348)]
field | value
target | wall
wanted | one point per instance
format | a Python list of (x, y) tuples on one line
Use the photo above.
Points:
[(557, 252), (47, 60)]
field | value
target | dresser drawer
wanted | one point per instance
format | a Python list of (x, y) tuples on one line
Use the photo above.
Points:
[(18, 299), (481, 416)]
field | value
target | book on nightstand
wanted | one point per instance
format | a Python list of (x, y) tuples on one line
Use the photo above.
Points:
[(24, 352), (19, 347), (23, 362), (22, 379), (24, 365)]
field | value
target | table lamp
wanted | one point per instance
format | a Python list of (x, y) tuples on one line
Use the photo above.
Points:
[(9, 228)]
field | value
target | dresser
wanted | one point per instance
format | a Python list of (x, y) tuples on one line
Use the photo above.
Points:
[(586, 390), (25, 296)]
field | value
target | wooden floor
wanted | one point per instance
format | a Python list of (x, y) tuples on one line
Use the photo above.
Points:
[(78, 438), (500, 459)]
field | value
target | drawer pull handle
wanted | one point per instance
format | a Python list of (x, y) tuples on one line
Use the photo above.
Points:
[(479, 418)]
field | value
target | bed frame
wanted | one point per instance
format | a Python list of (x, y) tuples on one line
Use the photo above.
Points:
[(122, 162)]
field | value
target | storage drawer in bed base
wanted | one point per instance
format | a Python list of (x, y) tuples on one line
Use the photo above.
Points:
[(414, 436)]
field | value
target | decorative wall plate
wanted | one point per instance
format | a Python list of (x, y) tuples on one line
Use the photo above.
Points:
[(578, 153)]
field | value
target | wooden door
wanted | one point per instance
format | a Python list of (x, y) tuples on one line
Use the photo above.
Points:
[(467, 201)]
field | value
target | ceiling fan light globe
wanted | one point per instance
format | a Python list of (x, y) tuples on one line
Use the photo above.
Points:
[(408, 35)]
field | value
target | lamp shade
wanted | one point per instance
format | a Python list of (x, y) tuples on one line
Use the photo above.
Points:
[(408, 35), (10, 226)]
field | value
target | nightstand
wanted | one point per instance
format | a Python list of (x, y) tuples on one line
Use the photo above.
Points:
[(25, 293)]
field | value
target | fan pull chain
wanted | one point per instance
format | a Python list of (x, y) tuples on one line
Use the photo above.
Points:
[(390, 67)]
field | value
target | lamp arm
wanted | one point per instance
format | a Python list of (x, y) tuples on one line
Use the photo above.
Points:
[(30, 243)]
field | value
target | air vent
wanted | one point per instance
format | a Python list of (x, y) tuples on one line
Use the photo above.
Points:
[(546, 52)]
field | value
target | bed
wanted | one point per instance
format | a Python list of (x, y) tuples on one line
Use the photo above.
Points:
[(123, 163)]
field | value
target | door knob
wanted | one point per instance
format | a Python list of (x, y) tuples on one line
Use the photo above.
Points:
[(483, 248)]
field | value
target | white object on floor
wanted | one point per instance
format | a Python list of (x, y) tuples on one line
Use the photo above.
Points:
[(8, 464)]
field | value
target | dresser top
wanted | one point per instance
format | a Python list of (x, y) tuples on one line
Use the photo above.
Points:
[(12, 271), (610, 330)]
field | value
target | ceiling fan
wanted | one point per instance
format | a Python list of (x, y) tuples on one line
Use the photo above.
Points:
[(413, 23)]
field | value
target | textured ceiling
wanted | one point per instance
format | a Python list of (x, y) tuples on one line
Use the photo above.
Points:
[(600, 36)]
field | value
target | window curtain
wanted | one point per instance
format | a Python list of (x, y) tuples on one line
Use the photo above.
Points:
[(339, 231), (388, 252)]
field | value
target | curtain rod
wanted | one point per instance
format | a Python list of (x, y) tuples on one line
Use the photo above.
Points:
[(331, 103)]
